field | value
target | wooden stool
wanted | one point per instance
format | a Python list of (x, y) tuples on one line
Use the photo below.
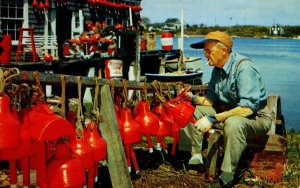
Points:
[(20, 48)]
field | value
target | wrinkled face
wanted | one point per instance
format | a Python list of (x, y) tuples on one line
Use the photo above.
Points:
[(215, 54)]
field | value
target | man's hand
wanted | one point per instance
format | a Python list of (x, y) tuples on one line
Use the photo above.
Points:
[(205, 123), (187, 95)]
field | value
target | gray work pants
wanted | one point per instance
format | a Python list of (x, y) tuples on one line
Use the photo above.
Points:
[(237, 130)]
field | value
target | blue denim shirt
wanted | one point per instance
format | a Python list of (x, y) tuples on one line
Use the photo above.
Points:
[(234, 85)]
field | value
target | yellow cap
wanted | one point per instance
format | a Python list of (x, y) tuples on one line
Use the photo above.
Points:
[(214, 36)]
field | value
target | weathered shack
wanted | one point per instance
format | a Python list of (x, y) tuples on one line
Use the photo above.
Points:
[(64, 19)]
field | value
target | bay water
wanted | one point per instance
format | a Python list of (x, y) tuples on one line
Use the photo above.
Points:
[(278, 61)]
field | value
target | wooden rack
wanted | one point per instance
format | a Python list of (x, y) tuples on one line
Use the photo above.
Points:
[(117, 164), (55, 79)]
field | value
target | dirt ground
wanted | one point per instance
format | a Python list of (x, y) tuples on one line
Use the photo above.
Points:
[(163, 170), (160, 169)]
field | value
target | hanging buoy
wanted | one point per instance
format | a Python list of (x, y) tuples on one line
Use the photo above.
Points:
[(143, 44), (167, 41), (5, 49)]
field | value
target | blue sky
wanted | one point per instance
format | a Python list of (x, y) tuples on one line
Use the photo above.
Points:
[(224, 12)]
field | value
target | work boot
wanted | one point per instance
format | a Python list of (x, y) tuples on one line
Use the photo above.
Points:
[(226, 179)]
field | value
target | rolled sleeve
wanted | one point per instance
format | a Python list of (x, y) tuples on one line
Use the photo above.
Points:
[(248, 83)]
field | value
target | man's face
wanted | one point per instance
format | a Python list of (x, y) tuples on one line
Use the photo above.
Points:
[(214, 54)]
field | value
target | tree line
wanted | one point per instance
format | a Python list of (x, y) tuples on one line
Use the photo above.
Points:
[(237, 30), (244, 30)]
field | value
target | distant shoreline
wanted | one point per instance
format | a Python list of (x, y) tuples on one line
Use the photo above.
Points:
[(250, 31), (234, 36)]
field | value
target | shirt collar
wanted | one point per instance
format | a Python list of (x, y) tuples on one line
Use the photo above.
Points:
[(228, 63)]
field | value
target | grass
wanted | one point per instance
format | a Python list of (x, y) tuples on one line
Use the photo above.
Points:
[(292, 170)]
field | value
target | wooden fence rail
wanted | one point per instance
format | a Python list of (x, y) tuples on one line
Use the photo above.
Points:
[(71, 80)]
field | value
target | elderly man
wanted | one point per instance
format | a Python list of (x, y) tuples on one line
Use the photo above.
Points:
[(235, 101)]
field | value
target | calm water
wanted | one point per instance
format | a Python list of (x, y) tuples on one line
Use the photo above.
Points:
[(279, 62)]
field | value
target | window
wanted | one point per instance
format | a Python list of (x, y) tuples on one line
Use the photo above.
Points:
[(77, 23), (11, 17), (109, 22)]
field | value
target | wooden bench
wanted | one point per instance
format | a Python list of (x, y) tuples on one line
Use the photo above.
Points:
[(43, 45), (267, 153)]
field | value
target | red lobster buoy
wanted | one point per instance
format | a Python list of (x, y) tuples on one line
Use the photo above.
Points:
[(148, 121), (35, 4), (94, 139), (181, 110), (166, 41), (65, 170), (44, 124), (92, 135), (85, 152), (10, 127), (132, 134), (20, 153), (132, 130), (165, 127), (6, 45), (48, 58), (120, 124)]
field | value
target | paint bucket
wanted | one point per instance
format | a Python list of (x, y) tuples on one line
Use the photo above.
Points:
[(166, 41), (5, 49), (113, 68)]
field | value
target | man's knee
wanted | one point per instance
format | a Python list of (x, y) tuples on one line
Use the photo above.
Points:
[(233, 125)]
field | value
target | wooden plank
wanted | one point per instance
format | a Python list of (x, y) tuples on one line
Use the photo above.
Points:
[(270, 142), (71, 80), (272, 105), (115, 153), (214, 142)]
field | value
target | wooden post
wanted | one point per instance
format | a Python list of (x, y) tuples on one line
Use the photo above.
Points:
[(116, 159)]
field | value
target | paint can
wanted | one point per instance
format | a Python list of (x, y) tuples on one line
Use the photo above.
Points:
[(113, 68)]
